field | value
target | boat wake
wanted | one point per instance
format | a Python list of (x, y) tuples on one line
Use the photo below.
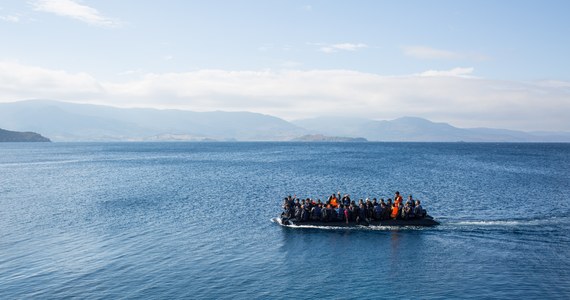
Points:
[(488, 223), (553, 220)]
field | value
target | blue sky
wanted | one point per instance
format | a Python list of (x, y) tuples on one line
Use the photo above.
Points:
[(471, 63)]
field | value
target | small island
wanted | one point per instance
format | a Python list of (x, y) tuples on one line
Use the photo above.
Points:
[(8, 136), (324, 138)]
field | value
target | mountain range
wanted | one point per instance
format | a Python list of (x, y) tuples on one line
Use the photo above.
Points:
[(64, 121)]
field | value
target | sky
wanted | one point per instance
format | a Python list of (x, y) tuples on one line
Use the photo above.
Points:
[(501, 64)]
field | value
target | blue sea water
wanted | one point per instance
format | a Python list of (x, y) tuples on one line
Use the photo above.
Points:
[(193, 220)]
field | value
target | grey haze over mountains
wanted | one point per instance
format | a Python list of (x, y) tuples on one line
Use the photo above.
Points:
[(63, 121), (412, 129)]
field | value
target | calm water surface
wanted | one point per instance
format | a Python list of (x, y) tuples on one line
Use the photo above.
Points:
[(192, 220)]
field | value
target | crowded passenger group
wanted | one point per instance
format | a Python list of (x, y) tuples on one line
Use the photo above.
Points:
[(343, 209)]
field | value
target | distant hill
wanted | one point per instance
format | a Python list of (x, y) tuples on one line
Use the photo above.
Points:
[(64, 121), (412, 129), (16, 136)]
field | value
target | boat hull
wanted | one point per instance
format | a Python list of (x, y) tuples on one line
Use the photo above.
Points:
[(426, 221)]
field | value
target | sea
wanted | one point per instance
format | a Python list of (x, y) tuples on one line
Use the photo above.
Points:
[(182, 220)]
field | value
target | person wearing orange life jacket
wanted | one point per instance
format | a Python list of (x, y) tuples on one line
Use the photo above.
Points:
[(333, 201), (394, 213), (398, 198)]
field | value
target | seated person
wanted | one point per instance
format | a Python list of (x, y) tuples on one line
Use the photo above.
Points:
[(419, 211), (340, 213), (377, 215), (410, 200), (395, 209), (316, 213), (305, 213)]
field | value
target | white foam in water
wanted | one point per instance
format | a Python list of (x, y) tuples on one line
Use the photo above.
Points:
[(358, 227), (489, 223), (530, 222)]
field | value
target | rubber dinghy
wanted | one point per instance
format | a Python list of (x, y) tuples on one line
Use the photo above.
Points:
[(425, 221)]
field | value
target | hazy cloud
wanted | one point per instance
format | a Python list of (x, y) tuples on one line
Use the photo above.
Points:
[(340, 47), (75, 10), (19, 81), (10, 18), (290, 64), (446, 95), (423, 52)]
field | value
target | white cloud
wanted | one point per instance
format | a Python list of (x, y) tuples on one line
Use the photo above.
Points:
[(332, 48), (75, 10), (423, 52), (10, 18), (456, 72), (292, 94), (22, 81)]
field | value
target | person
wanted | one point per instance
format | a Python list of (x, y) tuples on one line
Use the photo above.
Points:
[(369, 209), (346, 200), (419, 211), (305, 213), (362, 214), (311, 203), (333, 201), (346, 214), (406, 211), (398, 198), (394, 213), (410, 200), (325, 213), (412, 204), (331, 213), (298, 212), (316, 213), (385, 211), (288, 213), (353, 211), (377, 212), (340, 213), (388, 211)]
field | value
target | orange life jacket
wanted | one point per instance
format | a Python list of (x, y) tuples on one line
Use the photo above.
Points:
[(394, 212), (334, 203), (398, 200)]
